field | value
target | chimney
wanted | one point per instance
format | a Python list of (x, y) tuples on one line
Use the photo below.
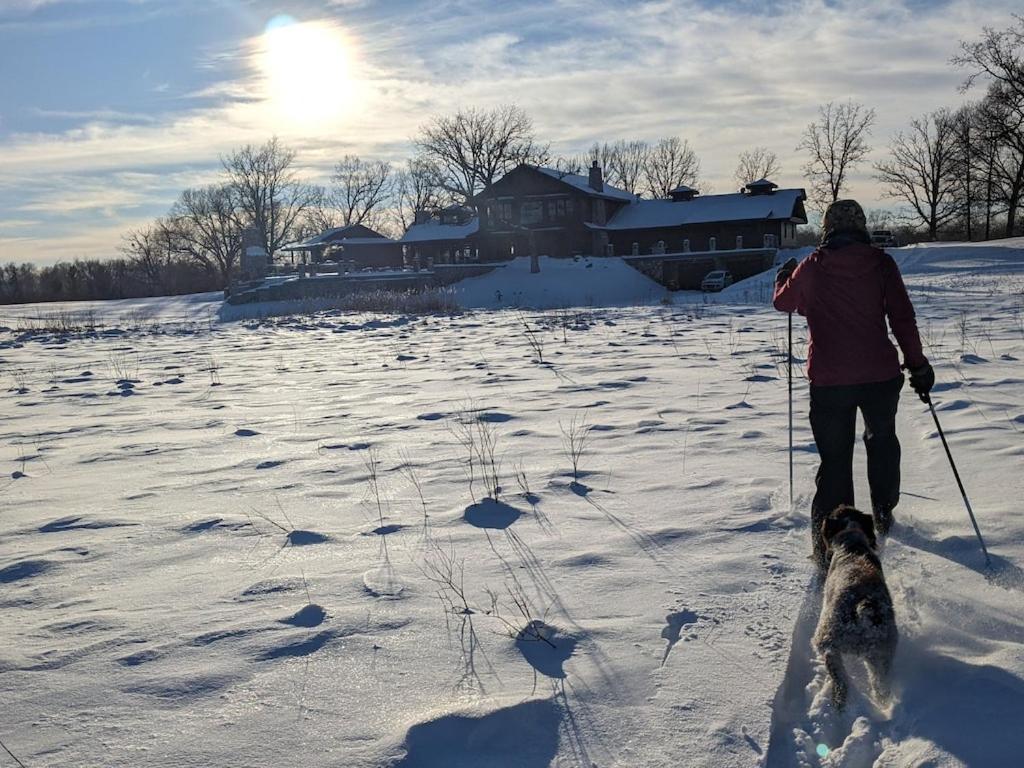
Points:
[(596, 178), (683, 193), (761, 187)]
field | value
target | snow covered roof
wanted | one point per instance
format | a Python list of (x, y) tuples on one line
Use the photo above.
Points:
[(342, 235), (582, 183), (435, 230), (362, 241), (648, 214)]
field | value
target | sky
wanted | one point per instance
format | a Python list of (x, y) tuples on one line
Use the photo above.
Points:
[(110, 108)]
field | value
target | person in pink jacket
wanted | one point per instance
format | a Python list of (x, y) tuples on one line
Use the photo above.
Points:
[(847, 289)]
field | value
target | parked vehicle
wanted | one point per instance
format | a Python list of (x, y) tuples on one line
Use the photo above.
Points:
[(883, 238), (716, 280)]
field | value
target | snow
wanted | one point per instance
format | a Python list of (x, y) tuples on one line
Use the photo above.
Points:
[(434, 230), (647, 214), (197, 566), (331, 236), (582, 183), (579, 282), (177, 310)]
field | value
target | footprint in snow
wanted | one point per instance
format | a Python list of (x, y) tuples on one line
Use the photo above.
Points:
[(308, 616), (673, 628), (301, 538), (383, 582), (26, 569), (545, 648), (495, 515)]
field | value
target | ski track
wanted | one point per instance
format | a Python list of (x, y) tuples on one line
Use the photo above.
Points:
[(196, 569)]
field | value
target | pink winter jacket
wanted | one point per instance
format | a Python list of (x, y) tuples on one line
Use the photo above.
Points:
[(846, 295)]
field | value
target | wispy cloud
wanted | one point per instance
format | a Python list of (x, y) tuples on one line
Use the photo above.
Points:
[(722, 75)]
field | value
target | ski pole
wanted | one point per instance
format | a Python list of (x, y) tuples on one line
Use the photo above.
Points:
[(789, 373), (967, 503)]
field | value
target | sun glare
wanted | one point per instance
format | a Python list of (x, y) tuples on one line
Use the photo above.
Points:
[(308, 70)]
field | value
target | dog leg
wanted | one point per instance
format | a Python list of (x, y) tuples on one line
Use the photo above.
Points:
[(879, 674), (836, 671)]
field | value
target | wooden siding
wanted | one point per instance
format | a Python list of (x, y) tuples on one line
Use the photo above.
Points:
[(563, 234)]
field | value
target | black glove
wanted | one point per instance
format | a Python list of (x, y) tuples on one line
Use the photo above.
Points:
[(922, 379), (785, 271)]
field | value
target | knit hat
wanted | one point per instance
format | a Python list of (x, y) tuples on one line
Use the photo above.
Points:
[(844, 216)]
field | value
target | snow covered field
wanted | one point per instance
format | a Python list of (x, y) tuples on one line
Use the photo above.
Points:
[(257, 544)]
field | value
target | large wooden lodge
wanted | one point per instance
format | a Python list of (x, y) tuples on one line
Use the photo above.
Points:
[(533, 210)]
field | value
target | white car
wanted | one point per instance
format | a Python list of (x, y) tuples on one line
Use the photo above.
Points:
[(716, 280), (883, 238)]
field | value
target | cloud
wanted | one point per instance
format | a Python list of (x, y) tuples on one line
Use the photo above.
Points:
[(726, 77)]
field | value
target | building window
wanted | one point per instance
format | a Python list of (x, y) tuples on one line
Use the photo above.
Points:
[(769, 241), (560, 209), (712, 244), (551, 210), (568, 207), (505, 211), (739, 242), (531, 212)]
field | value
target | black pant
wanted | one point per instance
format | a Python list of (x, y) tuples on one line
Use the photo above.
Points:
[(834, 423)]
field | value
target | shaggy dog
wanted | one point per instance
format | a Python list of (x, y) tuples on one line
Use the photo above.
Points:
[(856, 614)]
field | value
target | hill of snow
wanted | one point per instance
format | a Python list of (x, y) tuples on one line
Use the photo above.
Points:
[(583, 282)]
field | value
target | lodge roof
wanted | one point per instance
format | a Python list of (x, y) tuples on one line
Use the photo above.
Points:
[(353, 234), (582, 183), (737, 206), (434, 230)]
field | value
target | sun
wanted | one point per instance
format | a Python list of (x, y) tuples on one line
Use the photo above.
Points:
[(308, 70)]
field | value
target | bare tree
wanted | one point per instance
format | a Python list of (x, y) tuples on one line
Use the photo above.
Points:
[(150, 249), (605, 155), (754, 164), (880, 218), (203, 225), (670, 163), (474, 147), (919, 170), (1005, 121), (965, 166), (998, 59), (417, 188), (270, 194), (627, 164), (836, 142), (576, 164), (361, 189)]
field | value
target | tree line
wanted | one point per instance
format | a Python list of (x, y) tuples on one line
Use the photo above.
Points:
[(954, 173)]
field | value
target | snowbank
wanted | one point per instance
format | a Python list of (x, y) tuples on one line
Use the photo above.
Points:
[(190, 308), (583, 282)]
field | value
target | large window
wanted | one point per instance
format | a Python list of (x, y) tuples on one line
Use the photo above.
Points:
[(531, 212)]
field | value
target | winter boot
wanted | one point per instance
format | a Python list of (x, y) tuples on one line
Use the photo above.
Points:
[(883, 519)]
